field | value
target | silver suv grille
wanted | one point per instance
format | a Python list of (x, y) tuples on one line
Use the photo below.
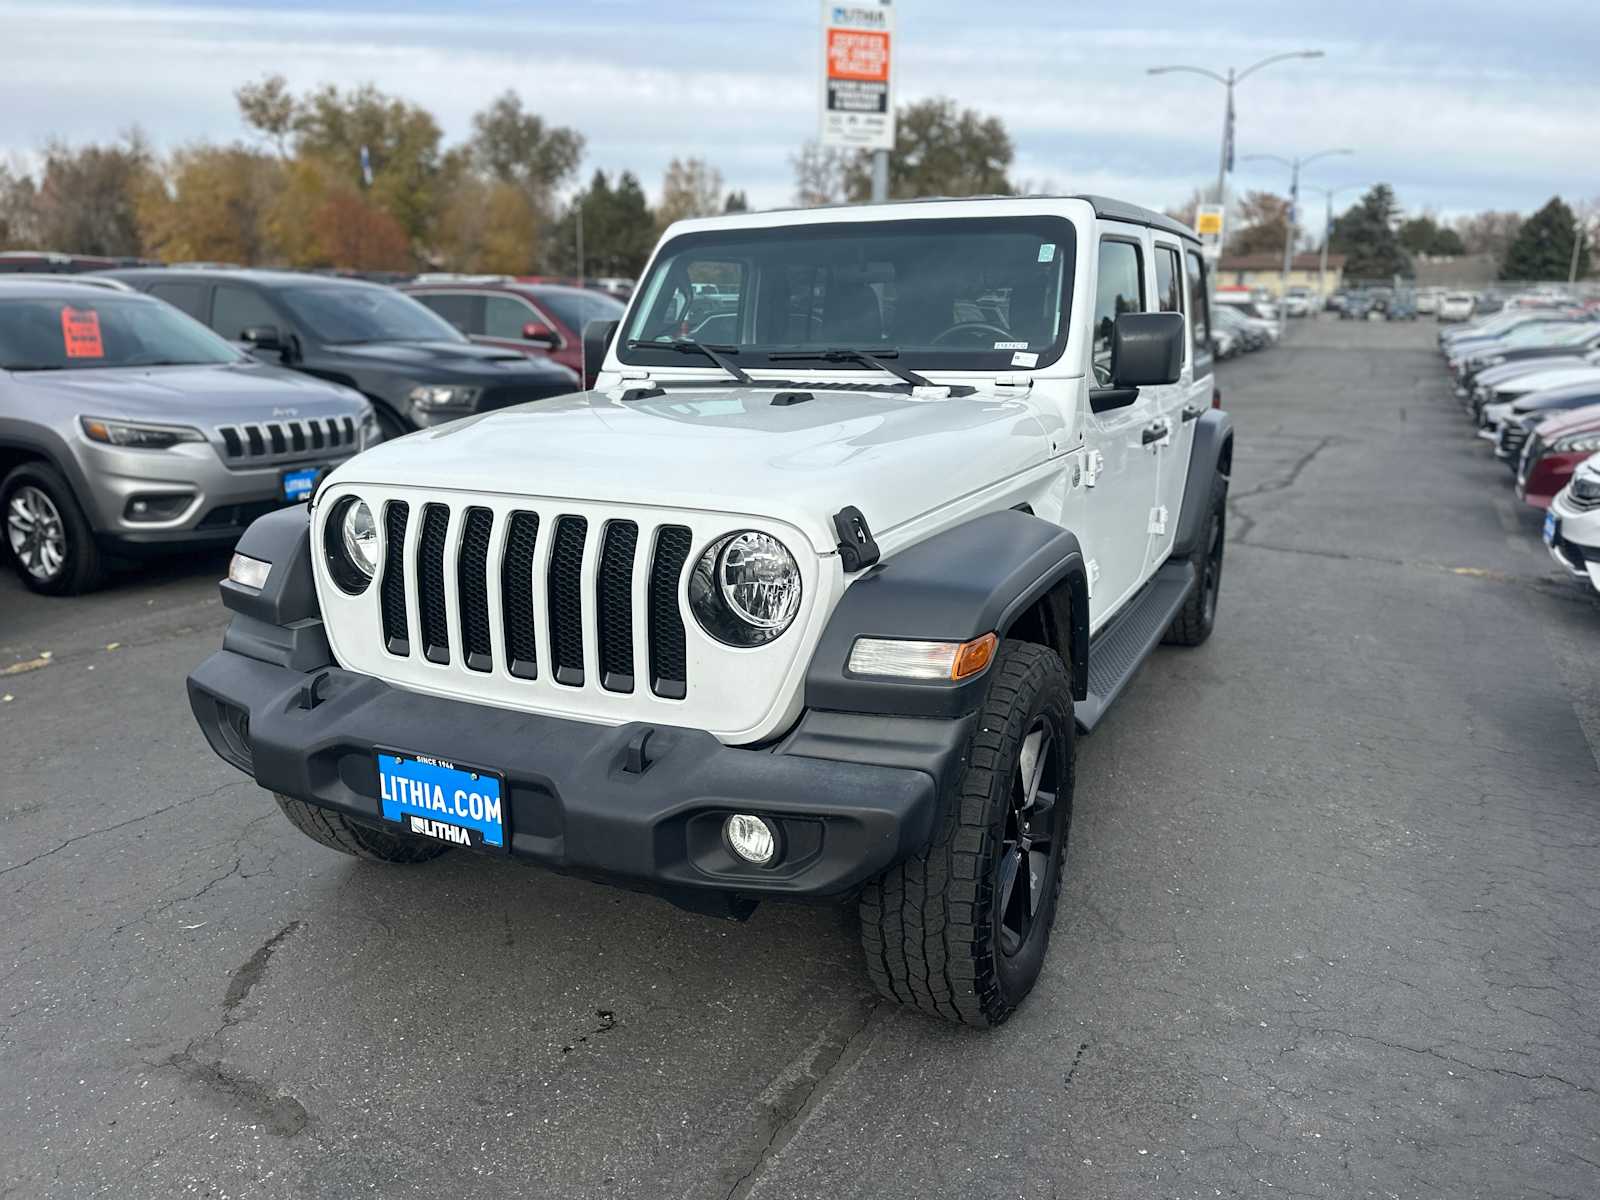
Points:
[(443, 578), (268, 440)]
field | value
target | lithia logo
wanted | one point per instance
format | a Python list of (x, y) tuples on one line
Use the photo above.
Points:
[(874, 17)]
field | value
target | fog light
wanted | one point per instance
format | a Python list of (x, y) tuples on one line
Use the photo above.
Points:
[(248, 572), (751, 838)]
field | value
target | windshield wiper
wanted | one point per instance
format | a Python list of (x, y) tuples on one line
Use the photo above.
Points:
[(690, 346), (31, 367), (872, 358)]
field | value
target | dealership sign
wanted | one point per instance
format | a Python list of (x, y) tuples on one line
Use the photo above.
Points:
[(857, 92)]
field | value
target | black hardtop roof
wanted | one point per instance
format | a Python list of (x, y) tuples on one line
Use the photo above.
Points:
[(1104, 206), (262, 276)]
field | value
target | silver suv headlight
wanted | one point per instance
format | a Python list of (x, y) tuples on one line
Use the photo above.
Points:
[(745, 589)]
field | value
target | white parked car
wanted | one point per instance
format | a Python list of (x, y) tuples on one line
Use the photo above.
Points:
[(1297, 303), (1572, 524), (1457, 306), (816, 611)]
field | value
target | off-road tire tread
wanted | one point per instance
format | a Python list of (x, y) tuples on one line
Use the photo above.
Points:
[(355, 838), (1190, 627), (925, 923)]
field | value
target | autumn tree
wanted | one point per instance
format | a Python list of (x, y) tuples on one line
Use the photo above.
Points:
[(1262, 224), (353, 232), (939, 150), (213, 204), (488, 227), (692, 188), (87, 197), (819, 174)]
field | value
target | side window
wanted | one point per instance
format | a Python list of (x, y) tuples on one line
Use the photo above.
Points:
[(185, 297), (1169, 280), (459, 308), (235, 309), (504, 317), (1199, 314), (1120, 290)]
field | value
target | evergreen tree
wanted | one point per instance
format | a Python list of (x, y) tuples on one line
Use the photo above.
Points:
[(1365, 235), (1542, 248)]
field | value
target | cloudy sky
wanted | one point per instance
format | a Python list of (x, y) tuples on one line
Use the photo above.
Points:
[(1461, 106)]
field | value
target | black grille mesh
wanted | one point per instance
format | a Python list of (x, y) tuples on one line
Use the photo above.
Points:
[(430, 584), (614, 605), (395, 635), (566, 599), (516, 595), (472, 588), (668, 653)]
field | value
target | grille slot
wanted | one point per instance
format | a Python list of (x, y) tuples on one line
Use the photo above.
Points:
[(316, 434), (614, 605), (230, 439), (253, 436), (516, 595), (396, 636), (430, 584), (669, 672), (566, 599), (472, 588), (275, 434), (297, 437)]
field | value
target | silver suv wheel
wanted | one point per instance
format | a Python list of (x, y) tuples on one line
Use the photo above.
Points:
[(36, 532)]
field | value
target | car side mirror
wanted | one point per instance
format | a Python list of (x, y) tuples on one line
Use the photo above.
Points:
[(1146, 351), (263, 337), (597, 337), (542, 335)]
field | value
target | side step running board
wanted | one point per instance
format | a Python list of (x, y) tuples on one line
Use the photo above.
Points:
[(1117, 650)]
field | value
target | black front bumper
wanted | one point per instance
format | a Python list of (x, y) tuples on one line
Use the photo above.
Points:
[(851, 794)]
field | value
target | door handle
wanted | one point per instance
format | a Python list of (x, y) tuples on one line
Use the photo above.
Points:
[(1153, 433), (1191, 413)]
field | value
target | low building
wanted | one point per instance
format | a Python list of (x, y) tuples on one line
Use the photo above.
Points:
[(1266, 271)]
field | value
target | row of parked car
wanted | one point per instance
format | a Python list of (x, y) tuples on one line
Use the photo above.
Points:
[(1242, 322), (249, 384), (1530, 379)]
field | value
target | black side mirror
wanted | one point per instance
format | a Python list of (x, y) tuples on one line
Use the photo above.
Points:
[(263, 337), (597, 337), (1146, 351), (540, 335)]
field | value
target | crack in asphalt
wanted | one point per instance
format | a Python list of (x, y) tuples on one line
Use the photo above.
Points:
[(1431, 1052), (1543, 584), (794, 1095), (1281, 484), (28, 862)]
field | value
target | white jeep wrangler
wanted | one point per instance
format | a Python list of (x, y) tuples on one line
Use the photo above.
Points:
[(870, 511)]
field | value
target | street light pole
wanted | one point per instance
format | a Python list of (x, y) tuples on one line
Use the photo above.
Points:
[(1228, 81), (1294, 166), (1327, 232)]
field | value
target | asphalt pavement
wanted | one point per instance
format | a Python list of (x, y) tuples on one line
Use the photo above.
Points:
[(1328, 929)]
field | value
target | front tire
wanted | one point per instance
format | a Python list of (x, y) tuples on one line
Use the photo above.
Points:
[(960, 931), (48, 536), (355, 838)]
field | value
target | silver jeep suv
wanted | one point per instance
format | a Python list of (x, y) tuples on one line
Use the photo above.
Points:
[(127, 428)]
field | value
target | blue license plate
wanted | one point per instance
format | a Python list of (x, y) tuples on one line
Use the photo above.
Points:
[(437, 799), (1551, 528), (297, 484)]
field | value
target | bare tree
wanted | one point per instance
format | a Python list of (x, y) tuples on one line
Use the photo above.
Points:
[(692, 188), (819, 175)]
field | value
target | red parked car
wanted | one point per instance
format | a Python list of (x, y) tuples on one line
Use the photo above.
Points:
[(532, 318), (1554, 450)]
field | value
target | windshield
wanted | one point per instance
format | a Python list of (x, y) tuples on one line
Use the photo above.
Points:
[(575, 309), (342, 314), (96, 329), (959, 294)]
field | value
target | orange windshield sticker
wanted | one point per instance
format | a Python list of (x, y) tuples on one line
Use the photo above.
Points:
[(80, 333)]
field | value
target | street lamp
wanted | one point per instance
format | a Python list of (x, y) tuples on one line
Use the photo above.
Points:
[(1327, 232), (1227, 81), (1294, 165)]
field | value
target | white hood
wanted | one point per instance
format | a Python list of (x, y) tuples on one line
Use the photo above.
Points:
[(727, 449)]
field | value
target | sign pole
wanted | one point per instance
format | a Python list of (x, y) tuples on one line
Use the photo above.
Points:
[(880, 176)]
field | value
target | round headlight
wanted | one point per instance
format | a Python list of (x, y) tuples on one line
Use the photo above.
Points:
[(351, 538), (745, 589)]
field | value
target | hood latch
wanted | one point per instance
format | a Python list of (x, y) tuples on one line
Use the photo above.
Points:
[(857, 550)]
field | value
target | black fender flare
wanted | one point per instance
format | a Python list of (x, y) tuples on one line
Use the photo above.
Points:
[(1211, 455), (978, 577), (280, 622)]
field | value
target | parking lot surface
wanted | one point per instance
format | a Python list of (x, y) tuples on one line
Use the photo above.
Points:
[(1329, 925)]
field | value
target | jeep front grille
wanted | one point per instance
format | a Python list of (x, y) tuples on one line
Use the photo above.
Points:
[(283, 439), (456, 575)]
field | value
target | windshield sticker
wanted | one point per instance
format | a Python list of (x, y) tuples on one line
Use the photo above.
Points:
[(1047, 252), (1019, 359), (80, 333), (1011, 345)]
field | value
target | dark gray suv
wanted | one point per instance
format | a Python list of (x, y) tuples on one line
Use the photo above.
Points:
[(128, 428)]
